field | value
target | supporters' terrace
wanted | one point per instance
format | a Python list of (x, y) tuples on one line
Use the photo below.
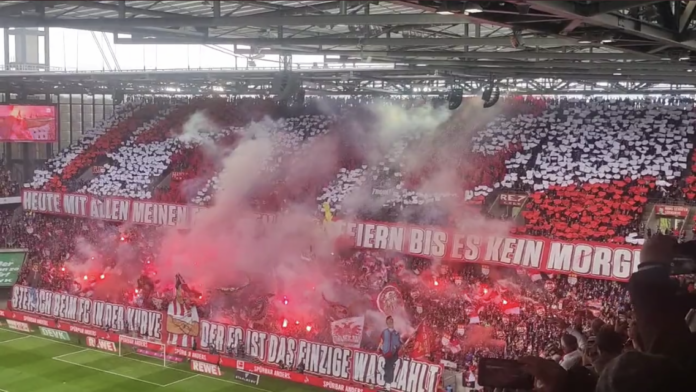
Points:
[(337, 157)]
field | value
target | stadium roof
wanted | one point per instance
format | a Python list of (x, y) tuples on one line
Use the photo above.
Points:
[(412, 46)]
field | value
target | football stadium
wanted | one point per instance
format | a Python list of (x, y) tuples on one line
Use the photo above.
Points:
[(358, 196)]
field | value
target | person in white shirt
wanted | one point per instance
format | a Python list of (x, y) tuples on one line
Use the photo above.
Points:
[(581, 339), (572, 356)]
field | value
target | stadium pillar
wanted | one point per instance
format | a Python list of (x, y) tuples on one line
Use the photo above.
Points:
[(23, 49), (26, 49)]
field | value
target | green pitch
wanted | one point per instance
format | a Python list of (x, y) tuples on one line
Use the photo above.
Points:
[(31, 363)]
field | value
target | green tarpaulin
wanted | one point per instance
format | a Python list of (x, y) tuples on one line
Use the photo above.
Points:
[(11, 261)]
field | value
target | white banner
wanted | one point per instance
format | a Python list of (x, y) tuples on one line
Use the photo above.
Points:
[(348, 332), (10, 200), (581, 258)]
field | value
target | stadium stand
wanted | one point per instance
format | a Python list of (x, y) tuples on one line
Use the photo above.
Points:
[(590, 167), (7, 186), (94, 145)]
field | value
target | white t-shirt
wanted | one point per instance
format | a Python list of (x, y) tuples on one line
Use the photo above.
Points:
[(571, 359)]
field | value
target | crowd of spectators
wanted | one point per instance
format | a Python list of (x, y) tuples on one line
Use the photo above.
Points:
[(590, 167), (8, 187), (471, 311), (93, 146)]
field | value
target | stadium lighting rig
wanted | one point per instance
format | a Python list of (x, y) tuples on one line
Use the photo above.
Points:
[(451, 7), (472, 8)]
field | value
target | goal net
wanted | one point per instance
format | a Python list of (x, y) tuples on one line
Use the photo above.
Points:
[(143, 349)]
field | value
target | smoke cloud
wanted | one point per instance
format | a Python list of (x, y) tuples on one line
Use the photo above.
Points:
[(229, 246), (199, 128)]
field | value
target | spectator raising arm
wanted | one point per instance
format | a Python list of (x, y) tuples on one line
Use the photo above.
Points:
[(658, 310)]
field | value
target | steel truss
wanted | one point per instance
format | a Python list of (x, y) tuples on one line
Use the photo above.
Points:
[(329, 81), (594, 46)]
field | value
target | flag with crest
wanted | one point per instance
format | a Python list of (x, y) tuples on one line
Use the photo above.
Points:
[(348, 332)]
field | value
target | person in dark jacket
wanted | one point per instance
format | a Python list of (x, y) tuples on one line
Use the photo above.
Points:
[(667, 361), (609, 346), (668, 358), (658, 309)]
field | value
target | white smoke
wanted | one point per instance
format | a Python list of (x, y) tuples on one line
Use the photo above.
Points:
[(198, 128)]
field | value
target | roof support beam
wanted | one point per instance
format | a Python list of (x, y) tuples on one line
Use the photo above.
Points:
[(687, 15), (512, 71), (612, 66), (254, 20), (480, 18), (520, 54), (17, 9), (216, 9), (615, 22), (572, 25), (609, 6), (216, 4), (438, 42)]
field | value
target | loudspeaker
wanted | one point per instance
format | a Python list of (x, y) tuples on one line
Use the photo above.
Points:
[(493, 97), (300, 97), (285, 86), (454, 99)]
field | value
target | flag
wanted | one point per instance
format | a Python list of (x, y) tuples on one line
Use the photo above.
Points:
[(183, 288), (474, 317), (450, 343), (594, 306), (348, 332), (534, 275), (336, 310), (420, 344), (511, 308), (181, 284)]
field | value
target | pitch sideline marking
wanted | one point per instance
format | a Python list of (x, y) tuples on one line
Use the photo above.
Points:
[(15, 339), (137, 360), (108, 372), (127, 356), (183, 379), (70, 353), (98, 351)]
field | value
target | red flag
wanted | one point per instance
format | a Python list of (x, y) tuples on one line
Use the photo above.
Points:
[(420, 344)]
